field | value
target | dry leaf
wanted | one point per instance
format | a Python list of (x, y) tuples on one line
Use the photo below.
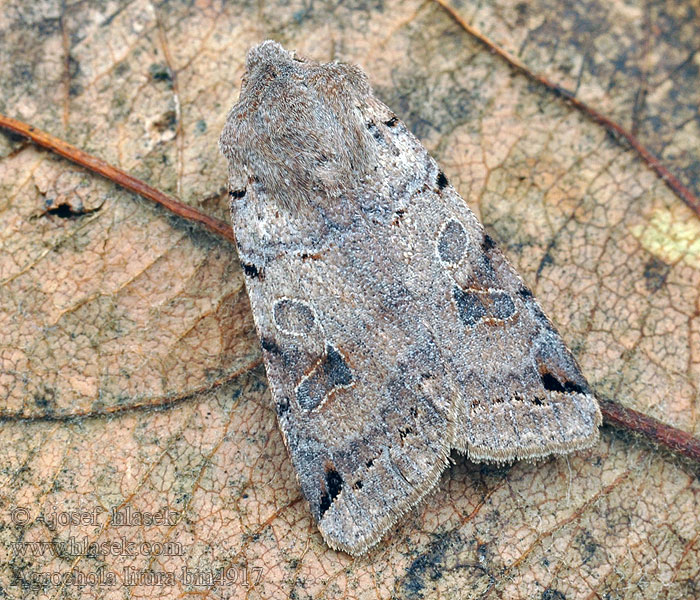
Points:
[(127, 358)]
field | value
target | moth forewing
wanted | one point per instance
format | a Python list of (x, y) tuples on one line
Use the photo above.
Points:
[(393, 329)]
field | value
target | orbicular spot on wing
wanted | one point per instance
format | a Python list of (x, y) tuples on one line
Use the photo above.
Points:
[(330, 372), (474, 305), (452, 242), (294, 317)]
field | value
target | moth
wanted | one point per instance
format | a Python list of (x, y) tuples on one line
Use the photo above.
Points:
[(393, 330)]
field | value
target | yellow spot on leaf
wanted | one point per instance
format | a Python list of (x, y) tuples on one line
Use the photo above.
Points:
[(670, 237)]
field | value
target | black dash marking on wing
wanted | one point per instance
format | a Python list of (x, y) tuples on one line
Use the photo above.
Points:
[(398, 215), (252, 271), (552, 384), (270, 345), (376, 133), (488, 244), (333, 486), (282, 406)]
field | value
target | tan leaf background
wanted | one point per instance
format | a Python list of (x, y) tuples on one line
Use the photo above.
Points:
[(129, 368)]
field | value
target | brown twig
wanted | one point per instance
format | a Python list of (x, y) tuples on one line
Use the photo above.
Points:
[(665, 435), (116, 175), (654, 163)]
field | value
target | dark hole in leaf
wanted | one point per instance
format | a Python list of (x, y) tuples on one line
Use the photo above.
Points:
[(66, 211)]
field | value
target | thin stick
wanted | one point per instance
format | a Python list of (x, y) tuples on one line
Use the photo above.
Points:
[(654, 163), (118, 176), (669, 437)]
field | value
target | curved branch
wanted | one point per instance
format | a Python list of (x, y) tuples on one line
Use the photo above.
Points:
[(675, 440), (116, 175), (654, 163)]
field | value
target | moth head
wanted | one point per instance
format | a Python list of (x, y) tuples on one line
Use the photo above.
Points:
[(297, 133), (267, 56)]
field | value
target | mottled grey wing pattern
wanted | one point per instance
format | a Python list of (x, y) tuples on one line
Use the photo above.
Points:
[(392, 328)]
